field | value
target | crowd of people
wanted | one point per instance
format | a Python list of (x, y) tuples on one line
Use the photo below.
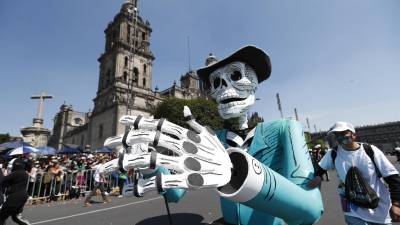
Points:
[(70, 176), (316, 154)]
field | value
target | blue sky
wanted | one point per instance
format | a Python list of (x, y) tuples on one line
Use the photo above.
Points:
[(332, 60)]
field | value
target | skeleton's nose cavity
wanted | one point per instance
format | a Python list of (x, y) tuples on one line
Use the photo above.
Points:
[(216, 83), (219, 81), (224, 83)]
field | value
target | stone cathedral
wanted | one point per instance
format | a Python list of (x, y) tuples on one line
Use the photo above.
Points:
[(124, 85)]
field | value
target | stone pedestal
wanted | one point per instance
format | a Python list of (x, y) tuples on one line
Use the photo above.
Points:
[(36, 135)]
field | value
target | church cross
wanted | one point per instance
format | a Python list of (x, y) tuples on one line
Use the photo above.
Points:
[(41, 98)]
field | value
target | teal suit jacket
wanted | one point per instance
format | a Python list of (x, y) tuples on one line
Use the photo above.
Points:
[(280, 146)]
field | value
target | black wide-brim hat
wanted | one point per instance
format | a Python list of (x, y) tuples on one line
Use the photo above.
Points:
[(255, 57)]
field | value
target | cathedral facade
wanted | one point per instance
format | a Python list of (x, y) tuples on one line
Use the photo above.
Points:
[(124, 85)]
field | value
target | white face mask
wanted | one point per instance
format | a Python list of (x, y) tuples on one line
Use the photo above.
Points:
[(233, 87)]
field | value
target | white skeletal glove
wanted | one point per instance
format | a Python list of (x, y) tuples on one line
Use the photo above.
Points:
[(129, 151), (199, 159), (110, 166)]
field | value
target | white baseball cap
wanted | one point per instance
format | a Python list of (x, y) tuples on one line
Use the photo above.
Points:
[(342, 126), (317, 146)]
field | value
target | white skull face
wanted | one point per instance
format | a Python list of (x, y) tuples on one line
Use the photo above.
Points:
[(233, 87)]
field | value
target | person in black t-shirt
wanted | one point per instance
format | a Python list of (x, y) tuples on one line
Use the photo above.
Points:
[(15, 184)]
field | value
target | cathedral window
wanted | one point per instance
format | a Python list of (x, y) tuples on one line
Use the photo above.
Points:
[(135, 75), (143, 36), (144, 68), (125, 76), (101, 131), (144, 82), (116, 34), (126, 60), (108, 78), (78, 121)]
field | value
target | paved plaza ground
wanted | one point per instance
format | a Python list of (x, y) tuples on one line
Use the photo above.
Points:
[(198, 207)]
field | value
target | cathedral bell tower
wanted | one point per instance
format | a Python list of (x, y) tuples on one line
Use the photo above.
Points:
[(125, 75), (126, 64)]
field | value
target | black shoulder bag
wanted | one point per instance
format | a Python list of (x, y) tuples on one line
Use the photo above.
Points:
[(357, 190)]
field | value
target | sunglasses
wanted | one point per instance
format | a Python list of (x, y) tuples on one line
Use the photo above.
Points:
[(343, 133), (341, 137)]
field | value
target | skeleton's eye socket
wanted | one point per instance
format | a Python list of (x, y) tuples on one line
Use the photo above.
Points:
[(237, 75), (217, 82)]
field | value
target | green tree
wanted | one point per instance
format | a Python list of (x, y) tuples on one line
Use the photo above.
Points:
[(4, 137), (308, 138), (311, 143), (205, 111)]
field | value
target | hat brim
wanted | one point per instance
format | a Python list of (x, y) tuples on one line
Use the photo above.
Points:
[(340, 129), (255, 57)]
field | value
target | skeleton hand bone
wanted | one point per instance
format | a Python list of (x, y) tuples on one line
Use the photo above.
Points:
[(200, 160), (116, 142)]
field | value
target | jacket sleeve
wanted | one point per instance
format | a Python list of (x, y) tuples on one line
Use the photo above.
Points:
[(6, 180), (1, 176), (393, 182), (388, 172), (172, 194), (281, 194)]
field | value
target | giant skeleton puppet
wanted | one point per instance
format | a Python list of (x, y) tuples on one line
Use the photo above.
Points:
[(261, 175)]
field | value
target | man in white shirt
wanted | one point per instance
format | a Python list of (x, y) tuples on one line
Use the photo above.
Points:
[(351, 153), (99, 181)]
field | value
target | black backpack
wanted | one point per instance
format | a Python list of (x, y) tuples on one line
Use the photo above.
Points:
[(357, 190)]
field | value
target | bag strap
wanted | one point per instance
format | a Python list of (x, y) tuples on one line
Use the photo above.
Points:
[(370, 153), (334, 154)]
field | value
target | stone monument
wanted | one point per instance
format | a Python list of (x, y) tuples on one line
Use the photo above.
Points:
[(37, 135)]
